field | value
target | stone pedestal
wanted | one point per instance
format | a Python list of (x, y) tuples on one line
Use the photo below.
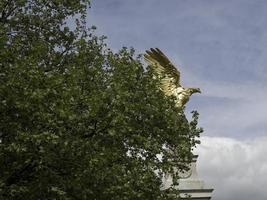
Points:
[(190, 185)]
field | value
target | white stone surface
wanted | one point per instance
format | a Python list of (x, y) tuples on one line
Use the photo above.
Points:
[(191, 185)]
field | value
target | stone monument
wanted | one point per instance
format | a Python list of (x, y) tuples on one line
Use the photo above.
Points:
[(190, 185), (193, 186)]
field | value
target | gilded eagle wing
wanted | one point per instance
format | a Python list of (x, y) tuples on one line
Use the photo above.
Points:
[(170, 76)]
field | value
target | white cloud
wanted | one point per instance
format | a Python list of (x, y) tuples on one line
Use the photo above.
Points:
[(235, 169)]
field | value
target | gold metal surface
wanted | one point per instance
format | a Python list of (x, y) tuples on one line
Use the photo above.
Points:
[(169, 76)]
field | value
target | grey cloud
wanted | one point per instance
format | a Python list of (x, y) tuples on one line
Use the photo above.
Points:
[(236, 169), (233, 110), (224, 37)]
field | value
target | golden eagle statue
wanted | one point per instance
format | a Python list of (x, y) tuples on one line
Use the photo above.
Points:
[(170, 76)]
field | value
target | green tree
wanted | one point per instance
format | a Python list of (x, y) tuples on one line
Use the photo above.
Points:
[(78, 121)]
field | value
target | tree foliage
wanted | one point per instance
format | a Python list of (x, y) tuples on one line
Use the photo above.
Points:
[(78, 121)]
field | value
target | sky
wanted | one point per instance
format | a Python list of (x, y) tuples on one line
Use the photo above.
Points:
[(221, 47)]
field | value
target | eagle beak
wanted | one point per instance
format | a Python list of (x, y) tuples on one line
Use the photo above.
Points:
[(198, 90)]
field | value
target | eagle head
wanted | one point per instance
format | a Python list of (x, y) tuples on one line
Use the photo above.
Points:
[(194, 90)]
